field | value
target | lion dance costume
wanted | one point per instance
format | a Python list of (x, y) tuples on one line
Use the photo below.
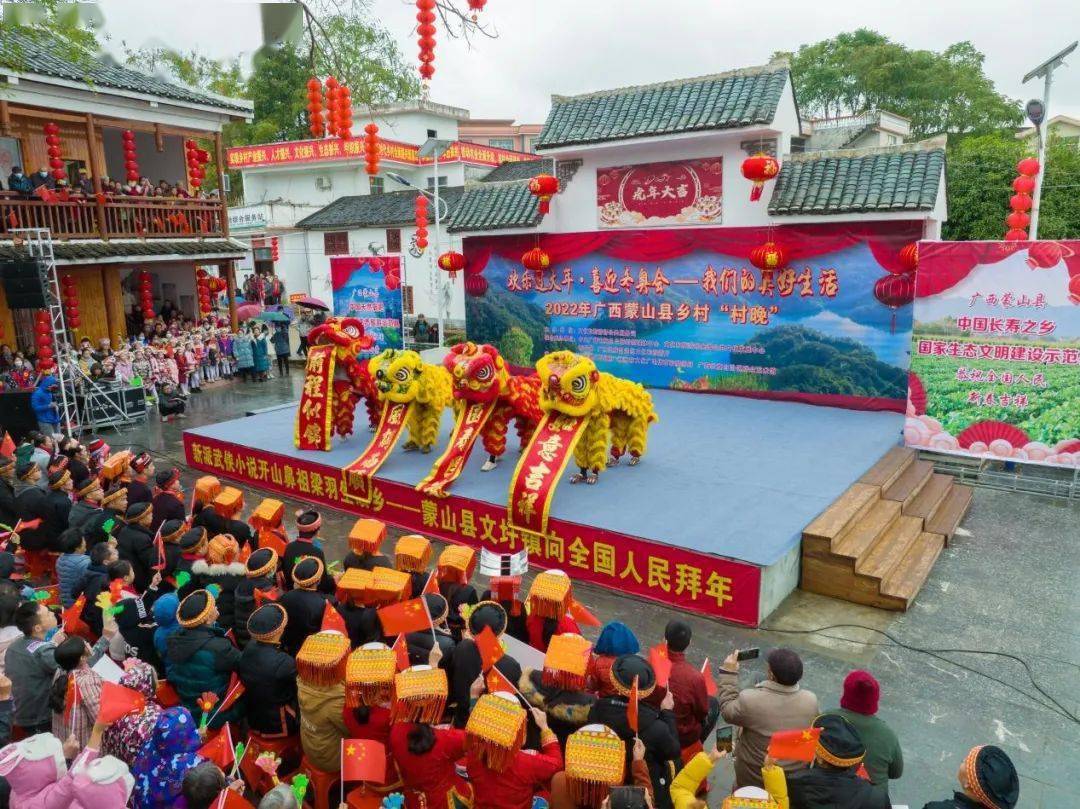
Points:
[(402, 377), (335, 381)]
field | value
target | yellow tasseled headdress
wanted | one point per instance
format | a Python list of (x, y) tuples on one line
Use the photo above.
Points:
[(366, 536), (496, 730), (322, 658), (595, 762), (412, 553), (369, 675), (549, 596), (567, 661), (419, 695), (456, 563)]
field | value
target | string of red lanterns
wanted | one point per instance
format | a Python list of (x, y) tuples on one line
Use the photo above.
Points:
[(131, 162), (275, 249), (202, 287), (1020, 202), (43, 331), (371, 148), (197, 161), (316, 122), (421, 222), (70, 295), (759, 169), (344, 110), (52, 149), (332, 88), (146, 290), (425, 32)]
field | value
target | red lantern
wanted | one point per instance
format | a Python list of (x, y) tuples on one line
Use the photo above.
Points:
[(1044, 255), (52, 129), (1016, 235), (895, 291), (1023, 185), (451, 262), (475, 285), (537, 260), (1028, 167), (759, 169), (1020, 202), (769, 256), (315, 107), (73, 321), (909, 257), (476, 6), (425, 16), (1017, 220), (371, 148), (544, 187), (52, 140), (275, 250)]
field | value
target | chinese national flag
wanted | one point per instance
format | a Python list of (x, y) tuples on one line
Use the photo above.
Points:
[(270, 539), (431, 587), (265, 596), (487, 643), (220, 749), (117, 701), (794, 745), (581, 614), (166, 695), (495, 680), (710, 683), (408, 616), (632, 708), (401, 650), (73, 615), (7, 446), (363, 760), (332, 620), (232, 693), (231, 799), (661, 664)]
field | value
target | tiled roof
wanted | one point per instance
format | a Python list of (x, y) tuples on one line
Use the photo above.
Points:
[(102, 71), (729, 100), (392, 209), (890, 178), (521, 170), (120, 248), (496, 206)]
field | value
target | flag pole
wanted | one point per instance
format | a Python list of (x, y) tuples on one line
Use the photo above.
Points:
[(341, 768)]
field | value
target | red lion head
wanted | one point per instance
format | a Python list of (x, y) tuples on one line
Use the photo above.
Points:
[(478, 371), (345, 332)]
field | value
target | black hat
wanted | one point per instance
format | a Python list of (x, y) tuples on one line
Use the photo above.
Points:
[(136, 511), (193, 538), (626, 668), (490, 614), (308, 522), (989, 775), (262, 562), (267, 623), (23, 469), (58, 478), (166, 477), (195, 609), (134, 612), (839, 743), (87, 485), (436, 606), (308, 571), (171, 530)]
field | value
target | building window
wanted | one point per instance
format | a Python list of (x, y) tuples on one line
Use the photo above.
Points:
[(393, 240), (443, 182), (528, 145), (406, 299), (376, 184), (336, 244), (501, 143), (431, 133)]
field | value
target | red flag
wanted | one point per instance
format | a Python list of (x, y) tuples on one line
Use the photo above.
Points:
[(231, 799), (264, 596), (487, 643), (405, 617), (431, 587), (363, 760), (7, 446), (332, 620), (401, 649), (794, 745), (235, 690), (495, 680), (661, 664), (632, 708), (117, 701), (220, 749), (581, 614), (710, 683), (166, 695), (73, 614)]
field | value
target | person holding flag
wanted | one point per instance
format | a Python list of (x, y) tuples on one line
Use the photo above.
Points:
[(171, 750), (75, 693), (550, 599), (320, 672), (258, 586), (832, 780), (304, 603), (695, 711), (558, 688), (468, 662), (421, 643), (268, 675)]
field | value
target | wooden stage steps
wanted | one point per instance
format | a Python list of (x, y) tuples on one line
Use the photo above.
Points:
[(878, 542)]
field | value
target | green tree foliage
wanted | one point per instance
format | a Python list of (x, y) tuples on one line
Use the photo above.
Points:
[(516, 347), (863, 70), (979, 172)]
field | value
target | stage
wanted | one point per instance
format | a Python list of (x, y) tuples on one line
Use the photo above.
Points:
[(710, 520)]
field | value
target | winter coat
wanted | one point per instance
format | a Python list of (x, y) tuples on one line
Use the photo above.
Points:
[(322, 726), (686, 784), (566, 711), (8, 515), (431, 778), (167, 506), (467, 667), (226, 577), (514, 787), (760, 712), (30, 665), (135, 544), (305, 610), (80, 514), (42, 401), (243, 351), (94, 581), (32, 503), (244, 604), (202, 659), (70, 568), (100, 526), (269, 678), (884, 757), (280, 339), (41, 785), (687, 685), (260, 352), (362, 624), (165, 617), (59, 506), (657, 730), (815, 788), (139, 492), (562, 798)]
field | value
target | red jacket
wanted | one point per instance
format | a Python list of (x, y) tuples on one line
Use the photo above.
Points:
[(433, 774), (377, 729), (534, 625), (515, 786), (687, 686)]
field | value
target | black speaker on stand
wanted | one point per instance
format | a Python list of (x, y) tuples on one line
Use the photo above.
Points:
[(23, 286)]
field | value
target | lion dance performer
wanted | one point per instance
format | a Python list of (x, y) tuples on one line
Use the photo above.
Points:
[(401, 377), (335, 382)]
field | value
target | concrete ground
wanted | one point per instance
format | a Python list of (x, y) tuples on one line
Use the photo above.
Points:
[(999, 610)]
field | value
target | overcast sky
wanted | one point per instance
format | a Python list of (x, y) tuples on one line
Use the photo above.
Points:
[(576, 46)]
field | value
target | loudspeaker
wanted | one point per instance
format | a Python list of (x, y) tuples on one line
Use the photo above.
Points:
[(22, 284)]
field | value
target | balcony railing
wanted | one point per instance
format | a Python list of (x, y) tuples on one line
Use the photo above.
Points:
[(114, 217)]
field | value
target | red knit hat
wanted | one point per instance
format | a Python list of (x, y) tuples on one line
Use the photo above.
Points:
[(861, 693)]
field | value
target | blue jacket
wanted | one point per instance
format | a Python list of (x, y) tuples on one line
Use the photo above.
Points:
[(202, 659), (165, 618), (70, 569), (42, 401), (242, 350)]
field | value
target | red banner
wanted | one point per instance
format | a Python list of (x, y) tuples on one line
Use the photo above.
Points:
[(685, 579), (314, 416), (466, 430), (336, 149), (678, 192), (540, 469), (395, 416)]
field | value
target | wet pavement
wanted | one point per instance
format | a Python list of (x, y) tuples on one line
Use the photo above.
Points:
[(1001, 604)]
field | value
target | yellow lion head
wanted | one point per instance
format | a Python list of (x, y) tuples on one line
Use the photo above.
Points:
[(397, 374), (478, 371), (568, 383)]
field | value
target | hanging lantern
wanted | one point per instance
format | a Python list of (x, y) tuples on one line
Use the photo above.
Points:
[(425, 32), (1023, 185), (371, 148), (275, 249), (344, 113), (421, 222), (759, 169), (1028, 167), (316, 122), (1017, 220), (769, 256), (451, 262), (1020, 202), (131, 163), (476, 6), (909, 257), (895, 291), (544, 187), (1016, 235), (475, 285), (332, 88), (52, 149), (537, 260)]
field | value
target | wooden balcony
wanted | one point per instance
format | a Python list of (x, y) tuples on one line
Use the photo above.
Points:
[(115, 217)]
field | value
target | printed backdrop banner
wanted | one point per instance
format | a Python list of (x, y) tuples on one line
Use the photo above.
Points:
[(685, 309), (679, 192), (995, 353), (369, 288)]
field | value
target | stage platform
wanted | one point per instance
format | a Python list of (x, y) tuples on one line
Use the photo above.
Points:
[(710, 520)]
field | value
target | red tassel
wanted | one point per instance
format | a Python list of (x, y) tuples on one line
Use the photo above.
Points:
[(545, 206), (755, 192)]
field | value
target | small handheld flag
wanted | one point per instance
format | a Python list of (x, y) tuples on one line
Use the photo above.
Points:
[(487, 643), (794, 745), (632, 707), (363, 760)]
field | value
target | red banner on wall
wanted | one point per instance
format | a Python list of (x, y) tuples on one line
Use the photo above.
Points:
[(678, 192), (336, 149), (681, 578)]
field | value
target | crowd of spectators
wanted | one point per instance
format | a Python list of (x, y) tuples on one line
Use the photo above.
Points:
[(82, 186)]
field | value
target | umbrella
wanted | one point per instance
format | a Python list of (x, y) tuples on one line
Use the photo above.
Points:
[(312, 303), (272, 317), (248, 310)]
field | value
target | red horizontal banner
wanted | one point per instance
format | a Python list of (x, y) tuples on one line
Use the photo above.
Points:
[(336, 149), (697, 582)]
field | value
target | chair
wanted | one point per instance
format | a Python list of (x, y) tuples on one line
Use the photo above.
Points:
[(320, 782), (282, 746), (363, 798)]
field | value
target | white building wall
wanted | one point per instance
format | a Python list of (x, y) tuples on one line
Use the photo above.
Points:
[(412, 127)]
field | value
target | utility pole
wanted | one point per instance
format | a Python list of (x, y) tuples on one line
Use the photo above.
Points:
[(1045, 71)]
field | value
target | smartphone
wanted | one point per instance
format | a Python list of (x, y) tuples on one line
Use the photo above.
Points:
[(748, 654), (724, 737), (628, 798)]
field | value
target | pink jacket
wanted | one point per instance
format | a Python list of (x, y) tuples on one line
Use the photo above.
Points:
[(39, 778)]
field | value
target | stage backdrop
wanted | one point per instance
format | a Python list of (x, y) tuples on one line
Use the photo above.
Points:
[(995, 365), (685, 309), (369, 288)]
